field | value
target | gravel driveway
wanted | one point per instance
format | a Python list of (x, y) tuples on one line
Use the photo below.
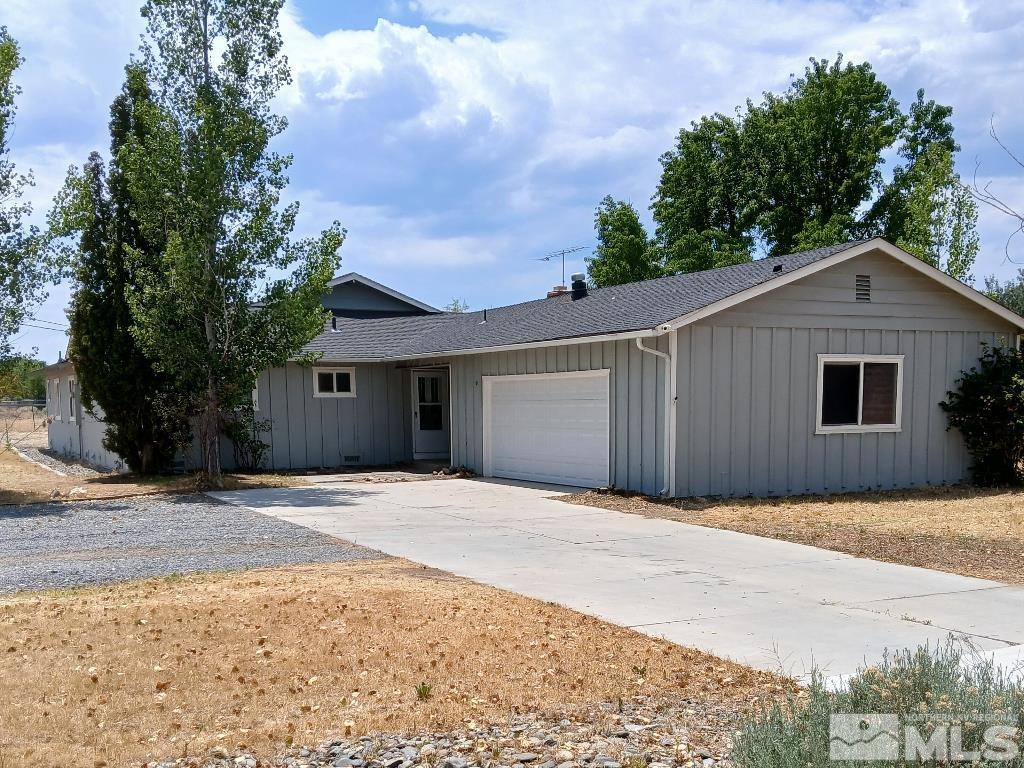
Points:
[(44, 546)]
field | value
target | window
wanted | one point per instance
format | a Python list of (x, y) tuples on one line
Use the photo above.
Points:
[(859, 393), (334, 382), (53, 396), (72, 401), (256, 397), (428, 392)]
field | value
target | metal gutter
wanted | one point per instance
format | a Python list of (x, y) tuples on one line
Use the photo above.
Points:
[(670, 402)]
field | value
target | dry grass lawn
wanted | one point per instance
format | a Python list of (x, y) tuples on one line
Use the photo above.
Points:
[(262, 659), (961, 529)]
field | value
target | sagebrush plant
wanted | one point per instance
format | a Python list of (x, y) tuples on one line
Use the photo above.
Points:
[(987, 408), (947, 679)]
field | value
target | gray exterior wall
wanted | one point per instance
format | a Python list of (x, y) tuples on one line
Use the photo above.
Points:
[(747, 385), (637, 396), (359, 297), (372, 428)]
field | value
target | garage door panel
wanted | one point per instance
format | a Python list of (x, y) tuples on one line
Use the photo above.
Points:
[(551, 428)]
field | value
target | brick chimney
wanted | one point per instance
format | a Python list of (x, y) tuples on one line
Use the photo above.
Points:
[(558, 290)]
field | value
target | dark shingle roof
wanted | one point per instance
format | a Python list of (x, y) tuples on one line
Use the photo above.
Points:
[(616, 309)]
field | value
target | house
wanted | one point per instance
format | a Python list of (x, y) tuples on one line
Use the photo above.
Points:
[(815, 372)]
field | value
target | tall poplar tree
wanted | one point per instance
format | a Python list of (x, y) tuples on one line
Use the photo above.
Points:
[(215, 312)]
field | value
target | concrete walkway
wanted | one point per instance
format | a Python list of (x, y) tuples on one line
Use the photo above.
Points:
[(766, 603)]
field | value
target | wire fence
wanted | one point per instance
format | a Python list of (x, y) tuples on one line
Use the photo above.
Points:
[(22, 423)]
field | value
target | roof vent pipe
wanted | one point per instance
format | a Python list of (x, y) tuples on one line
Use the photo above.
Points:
[(579, 286), (334, 322)]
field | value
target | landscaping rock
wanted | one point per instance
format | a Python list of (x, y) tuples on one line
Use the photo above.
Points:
[(637, 733)]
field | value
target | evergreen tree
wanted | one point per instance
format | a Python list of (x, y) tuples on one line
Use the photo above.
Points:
[(212, 312), (144, 411)]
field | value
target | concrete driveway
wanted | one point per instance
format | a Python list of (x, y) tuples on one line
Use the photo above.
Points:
[(766, 603)]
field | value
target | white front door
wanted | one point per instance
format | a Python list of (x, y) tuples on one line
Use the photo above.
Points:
[(430, 417), (550, 427)]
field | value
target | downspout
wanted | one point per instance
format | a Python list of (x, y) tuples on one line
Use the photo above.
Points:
[(670, 409)]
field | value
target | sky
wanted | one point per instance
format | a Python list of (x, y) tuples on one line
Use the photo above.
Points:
[(460, 140)]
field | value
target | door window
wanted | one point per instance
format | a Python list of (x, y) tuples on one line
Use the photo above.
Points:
[(429, 393)]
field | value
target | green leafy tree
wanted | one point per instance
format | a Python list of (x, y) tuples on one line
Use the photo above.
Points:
[(803, 169), (214, 312), (816, 151), (456, 305), (704, 207), (144, 410), (940, 219), (21, 378), (624, 254), (26, 268), (1010, 294)]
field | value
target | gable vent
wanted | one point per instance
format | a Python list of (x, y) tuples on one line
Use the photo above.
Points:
[(863, 290)]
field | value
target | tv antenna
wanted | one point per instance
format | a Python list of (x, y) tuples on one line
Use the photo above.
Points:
[(562, 253)]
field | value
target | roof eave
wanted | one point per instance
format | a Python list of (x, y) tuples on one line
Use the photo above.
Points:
[(590, 339)]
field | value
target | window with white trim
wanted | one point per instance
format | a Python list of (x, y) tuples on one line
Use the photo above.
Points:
[(53, 398), (72, 401), (256, 398), (859, 393), (334, 382)]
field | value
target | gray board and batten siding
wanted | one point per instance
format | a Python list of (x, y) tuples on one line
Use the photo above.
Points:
[(371, 429), (636, 398), (747, 384)]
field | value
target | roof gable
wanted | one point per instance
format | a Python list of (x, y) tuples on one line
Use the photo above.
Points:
[(358, 294), (838, 256)]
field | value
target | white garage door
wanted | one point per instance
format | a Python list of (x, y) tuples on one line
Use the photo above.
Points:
[(549, 427)]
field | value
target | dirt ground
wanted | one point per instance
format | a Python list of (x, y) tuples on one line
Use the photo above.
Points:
[(265, 659), (23, 482), (961, 529)]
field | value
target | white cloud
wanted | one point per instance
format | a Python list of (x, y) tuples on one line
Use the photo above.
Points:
[(463, 138)]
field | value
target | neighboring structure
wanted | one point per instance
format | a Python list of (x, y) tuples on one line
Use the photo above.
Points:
[(810, 373)]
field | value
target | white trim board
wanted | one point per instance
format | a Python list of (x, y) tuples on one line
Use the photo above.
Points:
[(334, 369), (840, 429)]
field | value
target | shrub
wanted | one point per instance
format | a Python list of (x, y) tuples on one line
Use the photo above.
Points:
[(988, 409), (927, 687), (244, 430)]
